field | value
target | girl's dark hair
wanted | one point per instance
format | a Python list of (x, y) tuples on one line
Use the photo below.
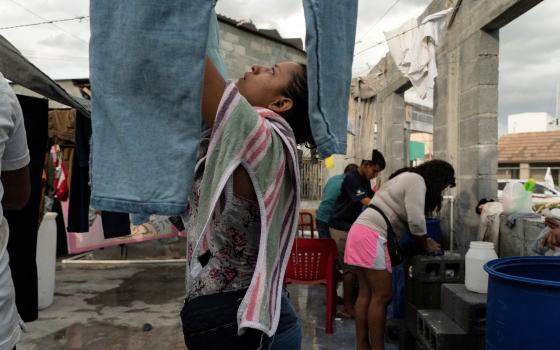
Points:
[(437, 174), (298, 115), (350, 167)]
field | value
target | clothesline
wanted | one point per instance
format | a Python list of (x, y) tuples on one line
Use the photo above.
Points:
[(384, 41), (380, 19)]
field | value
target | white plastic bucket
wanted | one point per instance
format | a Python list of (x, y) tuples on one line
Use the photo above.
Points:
[(479, 253), (46, 259)]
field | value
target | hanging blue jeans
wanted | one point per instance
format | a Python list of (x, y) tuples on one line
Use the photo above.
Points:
[(213, 52), (331, 32), (146, 66)]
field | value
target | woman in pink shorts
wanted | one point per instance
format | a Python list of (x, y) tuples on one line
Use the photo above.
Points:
[(405, 199)]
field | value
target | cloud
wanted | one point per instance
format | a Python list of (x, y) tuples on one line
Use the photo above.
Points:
[(54, 48), (529, 62), (286, 16)]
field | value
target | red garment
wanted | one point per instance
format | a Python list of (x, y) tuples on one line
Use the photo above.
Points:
[(60, 184)]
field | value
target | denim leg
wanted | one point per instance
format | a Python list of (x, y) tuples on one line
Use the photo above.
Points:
[(331, 32), (288, 335), (213, 47), (139, 219), (210, 322), (146, 67), (323, 229)]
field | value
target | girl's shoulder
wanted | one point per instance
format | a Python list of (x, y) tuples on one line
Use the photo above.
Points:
[(410, 177)]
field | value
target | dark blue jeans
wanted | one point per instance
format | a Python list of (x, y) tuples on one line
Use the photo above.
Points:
[(288, 333), (210, 322)]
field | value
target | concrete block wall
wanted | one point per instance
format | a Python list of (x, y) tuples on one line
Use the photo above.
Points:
[(240, 49), (519, 239), (393, 132), (466, 104)]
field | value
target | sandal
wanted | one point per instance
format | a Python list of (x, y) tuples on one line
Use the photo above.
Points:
[(343, 314)]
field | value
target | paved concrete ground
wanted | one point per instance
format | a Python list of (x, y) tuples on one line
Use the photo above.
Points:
[(137, 307)]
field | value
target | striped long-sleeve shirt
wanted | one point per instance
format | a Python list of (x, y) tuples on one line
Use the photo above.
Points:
[(263, 143)]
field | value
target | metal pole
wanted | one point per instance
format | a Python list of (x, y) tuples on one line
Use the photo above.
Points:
[(451, 221)]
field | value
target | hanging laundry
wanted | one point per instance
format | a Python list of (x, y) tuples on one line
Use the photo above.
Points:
[(329, 42), (61, 125), (79, 210), (136, 86), (548, 179), (60, 183), (416, 58), (400, 41)]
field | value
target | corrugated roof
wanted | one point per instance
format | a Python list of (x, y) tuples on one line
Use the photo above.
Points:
[(529, 147)]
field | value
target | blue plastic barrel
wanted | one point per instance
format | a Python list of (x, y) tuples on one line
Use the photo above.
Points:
[(434, 232), (523, 310), (396, 308)]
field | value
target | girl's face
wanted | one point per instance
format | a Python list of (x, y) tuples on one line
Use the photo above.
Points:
[(263, 86)]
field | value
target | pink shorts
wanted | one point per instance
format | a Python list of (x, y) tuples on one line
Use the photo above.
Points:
[(366, 248)]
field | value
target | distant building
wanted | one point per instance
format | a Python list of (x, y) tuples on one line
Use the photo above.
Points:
[(529, 122), (528, 155), (421, 123), (421, 117)]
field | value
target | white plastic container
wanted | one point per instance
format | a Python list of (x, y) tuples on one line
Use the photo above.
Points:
[(479, 253), (46, 259)]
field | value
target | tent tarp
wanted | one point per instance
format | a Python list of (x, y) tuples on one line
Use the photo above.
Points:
[(15, 67)]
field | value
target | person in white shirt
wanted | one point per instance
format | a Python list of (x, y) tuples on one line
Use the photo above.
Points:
[(14, 192)]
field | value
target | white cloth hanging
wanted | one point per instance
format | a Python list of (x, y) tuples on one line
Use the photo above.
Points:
[(400, 41), (414, 50), (548, 180)]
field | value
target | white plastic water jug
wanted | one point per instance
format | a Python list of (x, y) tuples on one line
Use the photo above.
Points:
[(46, 259), (479, 253)]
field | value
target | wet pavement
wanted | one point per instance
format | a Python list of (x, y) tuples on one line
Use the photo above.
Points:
[(137, 307)]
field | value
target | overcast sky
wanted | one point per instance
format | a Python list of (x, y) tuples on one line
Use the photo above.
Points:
[(529, 52)]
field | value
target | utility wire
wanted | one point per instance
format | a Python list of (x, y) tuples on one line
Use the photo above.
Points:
[(49, 22), (43, 18), (380, 18), (384, 41), (379, 43), (79, 18)]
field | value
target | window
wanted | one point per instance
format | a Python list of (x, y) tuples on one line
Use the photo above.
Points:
[(539, 189)]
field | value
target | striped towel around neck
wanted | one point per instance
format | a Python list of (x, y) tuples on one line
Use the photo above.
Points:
[(263, 143)]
